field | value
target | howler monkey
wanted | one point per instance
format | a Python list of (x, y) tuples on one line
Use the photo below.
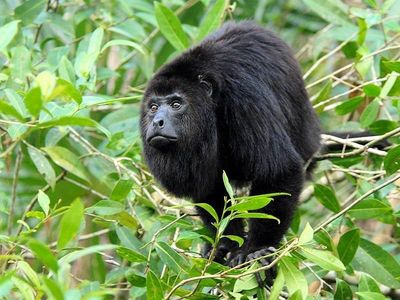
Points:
[(235, 102)]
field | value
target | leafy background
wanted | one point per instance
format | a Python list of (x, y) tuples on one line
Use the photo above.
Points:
[(82, 218)]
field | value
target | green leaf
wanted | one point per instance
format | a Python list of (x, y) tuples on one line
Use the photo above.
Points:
[(135, 280), (171, 27), (68, 121), (370, 208), (47, 82), (235, 238), (256, 216), (44, 201), (154, 289), (343, 291), (382, 266), (85, 60), (253, 203), (324, 259), (330, 11), (171, 258), (7, 33), (383, 126), (70, 223), (307, 235), (66, 91), (74, 255), (370, 113), (20, 64), (106, 207), (323, 95), (130, 255), (391, 65), (348, 244), (42, 165), (213, 19), (7, 109), (125, 219), (278, 286), (208, 208), (227, 185), (387, 87), (66, 70), (367, 284), (68, 161), (246, 283), (43, 253), (121, 190), (372, 90), (29, 10), (134, 45), (349, 105), (53, 289), (33, 101), (294, 279), (95, 41), (392, 160), (326, 197), (370, 296)]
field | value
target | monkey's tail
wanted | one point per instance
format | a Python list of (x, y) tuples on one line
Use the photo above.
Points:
[(337, 143)]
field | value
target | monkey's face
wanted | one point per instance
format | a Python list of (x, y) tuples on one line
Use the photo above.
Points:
[(163, 116), (176, 115)]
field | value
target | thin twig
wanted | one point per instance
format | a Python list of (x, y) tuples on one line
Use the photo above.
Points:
[(17, 168)]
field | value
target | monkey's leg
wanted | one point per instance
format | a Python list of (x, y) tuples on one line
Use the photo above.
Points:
[(264, 234), (235, 227)]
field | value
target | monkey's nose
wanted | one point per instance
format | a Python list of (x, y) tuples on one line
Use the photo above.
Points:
[(158, 123)]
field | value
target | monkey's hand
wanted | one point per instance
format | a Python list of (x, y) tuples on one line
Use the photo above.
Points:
[(263, 255)]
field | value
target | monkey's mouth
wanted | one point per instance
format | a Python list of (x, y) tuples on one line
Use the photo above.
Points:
[(161, 141)]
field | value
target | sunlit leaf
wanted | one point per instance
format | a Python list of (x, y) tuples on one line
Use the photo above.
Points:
[(43, 166), (44, 201), (67, 160), (7, 33), (324, 259), (212, 19), (171, 27)]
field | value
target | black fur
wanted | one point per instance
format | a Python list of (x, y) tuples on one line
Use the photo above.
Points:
[(256, 123)]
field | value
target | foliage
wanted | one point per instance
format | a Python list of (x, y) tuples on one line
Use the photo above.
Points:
[(81, 217)]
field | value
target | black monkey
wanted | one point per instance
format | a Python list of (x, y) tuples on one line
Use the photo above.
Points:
[(235, 102)]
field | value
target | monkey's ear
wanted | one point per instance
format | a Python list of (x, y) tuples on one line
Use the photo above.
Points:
[(206, 85)]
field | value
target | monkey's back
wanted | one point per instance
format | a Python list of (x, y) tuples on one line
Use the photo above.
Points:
[(264, 110)]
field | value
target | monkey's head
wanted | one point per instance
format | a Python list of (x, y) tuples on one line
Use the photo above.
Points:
[(178, 109), (179, 125)]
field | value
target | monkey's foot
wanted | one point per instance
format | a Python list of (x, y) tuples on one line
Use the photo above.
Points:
[(224, 247), (263, 256)]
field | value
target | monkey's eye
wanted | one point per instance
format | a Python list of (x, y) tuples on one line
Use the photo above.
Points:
[(153, 108), (176, 105)]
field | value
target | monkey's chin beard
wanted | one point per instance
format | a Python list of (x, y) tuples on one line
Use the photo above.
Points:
[(162, 142)]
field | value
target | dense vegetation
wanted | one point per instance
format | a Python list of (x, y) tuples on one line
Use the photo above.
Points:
[(82, 218)]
